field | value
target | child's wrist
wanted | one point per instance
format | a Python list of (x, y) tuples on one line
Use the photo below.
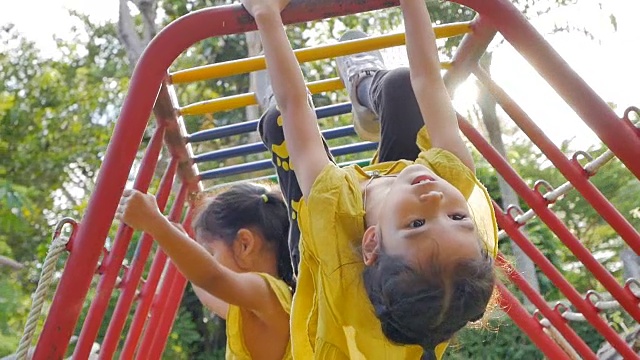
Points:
[(265, 13), (156, 223)]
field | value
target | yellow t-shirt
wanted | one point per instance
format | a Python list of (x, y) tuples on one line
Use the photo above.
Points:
[(236, 349), (332, 317)]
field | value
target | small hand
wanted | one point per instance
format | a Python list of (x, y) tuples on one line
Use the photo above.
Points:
[(138, 210), (254, 7)]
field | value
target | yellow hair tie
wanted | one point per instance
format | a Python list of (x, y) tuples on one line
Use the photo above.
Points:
[(265, 198)]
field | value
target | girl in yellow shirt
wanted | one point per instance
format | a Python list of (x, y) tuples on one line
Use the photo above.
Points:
[(242, 262), (396, 257)]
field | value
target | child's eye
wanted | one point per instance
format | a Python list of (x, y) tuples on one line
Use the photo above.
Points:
[(458, 217), (416, 223)]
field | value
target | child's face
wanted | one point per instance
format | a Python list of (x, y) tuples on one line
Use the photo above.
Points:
[(223, 253), (424, 214)]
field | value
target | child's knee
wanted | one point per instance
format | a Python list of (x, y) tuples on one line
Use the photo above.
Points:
[(398, 80), (270, 127)]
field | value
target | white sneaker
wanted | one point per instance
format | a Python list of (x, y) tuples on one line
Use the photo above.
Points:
[(352, 69), (264, 92)]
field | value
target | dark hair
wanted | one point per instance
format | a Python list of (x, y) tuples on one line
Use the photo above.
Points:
[(248, 205), (427, 306)]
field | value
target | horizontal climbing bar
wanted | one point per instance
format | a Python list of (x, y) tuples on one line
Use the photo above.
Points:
[(227, 153), (244, 100), (223, 131), (571, 169), (552, 316), (572, 295), (249, 126), (267, 164), (600, 303), (551, 219), (243, 66), (592, 167), (256, 148), (539, 204), (512, 307), (273, 178)]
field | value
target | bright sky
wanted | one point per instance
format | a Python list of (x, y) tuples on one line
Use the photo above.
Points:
[(608, 63)]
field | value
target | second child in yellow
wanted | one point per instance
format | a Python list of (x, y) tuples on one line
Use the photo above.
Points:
[(241, 268)]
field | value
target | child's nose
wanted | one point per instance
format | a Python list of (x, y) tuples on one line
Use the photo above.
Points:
[(432, 197)]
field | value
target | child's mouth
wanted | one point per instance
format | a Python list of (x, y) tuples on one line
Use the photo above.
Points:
[(422, 179)]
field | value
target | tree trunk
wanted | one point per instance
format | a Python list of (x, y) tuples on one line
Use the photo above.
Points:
[(135, 41), (487, 104)]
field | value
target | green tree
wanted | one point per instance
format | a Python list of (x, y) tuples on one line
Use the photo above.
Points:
[(55, 119)]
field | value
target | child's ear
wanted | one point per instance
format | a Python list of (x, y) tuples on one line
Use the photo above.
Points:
[(243, 246), (370, 246)]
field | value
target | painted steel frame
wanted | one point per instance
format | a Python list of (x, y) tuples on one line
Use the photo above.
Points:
[(150, 85)]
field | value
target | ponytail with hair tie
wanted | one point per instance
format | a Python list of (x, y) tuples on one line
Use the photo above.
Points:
[(236, 208)]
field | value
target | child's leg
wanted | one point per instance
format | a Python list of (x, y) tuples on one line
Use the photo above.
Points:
[(271, 132), (393, 100), (384, 105)]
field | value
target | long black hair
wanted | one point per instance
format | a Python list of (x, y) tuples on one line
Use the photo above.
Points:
[(428, 306)]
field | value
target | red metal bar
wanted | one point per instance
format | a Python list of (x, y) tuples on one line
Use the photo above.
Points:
[(536, 201), (148, 290), (167, 303), (571, 170), (160, 302), (572, 88), (146, 298), (132, 277), (173, 304), (113, 262), (469, 52), (554, 317), (168, 316), (144, 87), (529, 325), (585, 307)]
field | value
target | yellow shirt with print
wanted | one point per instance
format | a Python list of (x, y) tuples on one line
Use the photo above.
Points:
[(332, 317), (236, 349)]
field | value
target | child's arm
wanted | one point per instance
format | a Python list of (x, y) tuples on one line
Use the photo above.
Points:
[(245, 290), (303, 138), (431, 93), (211, 302)]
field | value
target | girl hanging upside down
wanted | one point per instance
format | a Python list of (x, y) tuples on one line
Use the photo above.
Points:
[(422, 223)]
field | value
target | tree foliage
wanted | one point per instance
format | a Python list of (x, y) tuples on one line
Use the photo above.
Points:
[(55, 121)]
